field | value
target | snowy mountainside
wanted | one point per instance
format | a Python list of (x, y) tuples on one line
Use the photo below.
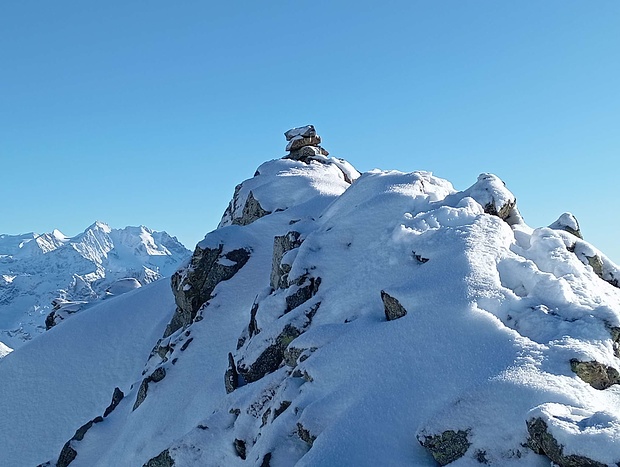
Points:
[(36, 269), (377, 319)]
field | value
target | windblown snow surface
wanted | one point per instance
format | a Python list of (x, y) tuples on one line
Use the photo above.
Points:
[(75, 271), (496, 311)]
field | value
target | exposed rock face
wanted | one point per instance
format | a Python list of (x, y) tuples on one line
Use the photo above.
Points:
[(68, 452), (271, 358), (192, 286), (155, 377), (542, 442), (392, 307), (230, 377), (252, 211), (305, 434), (304, 144), (117, 397), (162, 460), (279, 270), (303, 290), (447, 446), (596, 374)]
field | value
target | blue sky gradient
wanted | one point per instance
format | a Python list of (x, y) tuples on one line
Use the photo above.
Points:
[(151, 112)]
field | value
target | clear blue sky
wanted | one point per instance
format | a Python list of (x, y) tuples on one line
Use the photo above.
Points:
[(150, 112)]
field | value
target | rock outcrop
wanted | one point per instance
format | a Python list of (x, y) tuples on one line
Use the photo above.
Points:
[(193, 285), (304, 143), (446, 447)]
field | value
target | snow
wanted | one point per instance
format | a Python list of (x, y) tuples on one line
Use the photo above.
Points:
[(65, 377), (495, 313), (300, 132), (4, 350), (36, 269)]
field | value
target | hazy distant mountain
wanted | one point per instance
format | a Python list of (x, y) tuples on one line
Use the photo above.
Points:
[(75, 271)]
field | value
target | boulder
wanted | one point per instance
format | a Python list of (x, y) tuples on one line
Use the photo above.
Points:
[(447, 446), (542, 442), (596, 374), (307, 152), (392, 307), (299, 142)]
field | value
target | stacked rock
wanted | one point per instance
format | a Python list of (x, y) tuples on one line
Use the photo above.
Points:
[(304, 143)]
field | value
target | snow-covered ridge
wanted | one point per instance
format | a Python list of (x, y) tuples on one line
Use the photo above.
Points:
[(35, 269), (387, 319)]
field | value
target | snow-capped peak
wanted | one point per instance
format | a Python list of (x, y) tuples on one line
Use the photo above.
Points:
[(38, 268)]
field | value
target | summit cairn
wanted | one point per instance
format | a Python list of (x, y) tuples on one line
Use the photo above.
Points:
[(303, 143)]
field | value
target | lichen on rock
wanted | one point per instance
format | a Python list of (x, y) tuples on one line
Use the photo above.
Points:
[(446, 447), (596, 374)]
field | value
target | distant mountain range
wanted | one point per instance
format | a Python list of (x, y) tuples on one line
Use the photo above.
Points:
[(73, 272)]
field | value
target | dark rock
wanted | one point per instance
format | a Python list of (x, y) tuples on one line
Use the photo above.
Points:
[(305, 434), (186, 344), (306, 153), (266, 460), (265, 417), (50, 322), (419, 258), (446, 447), (253, 326), (596, 374), (392, 307), (192, 286), (162, 460), (252, 211), (282, 245), (301, 142), (307, 287), (542, 442), (271, 358), (67, 455), (283, 406), (240, 447), (231, 376), (293, 355), (155, 377), (117, 397)]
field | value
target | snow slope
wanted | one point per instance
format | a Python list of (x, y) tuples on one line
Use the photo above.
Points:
[(53, 384), (35, 269), (391, 321)]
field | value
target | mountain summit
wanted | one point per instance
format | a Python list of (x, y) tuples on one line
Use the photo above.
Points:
[(42, 272), (338, 318)]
